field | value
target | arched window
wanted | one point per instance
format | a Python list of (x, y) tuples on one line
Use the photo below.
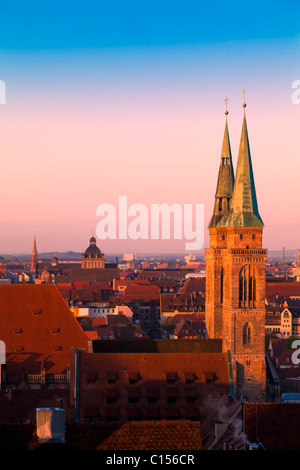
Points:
[(247, 286), (220, 204), (247, 333), (221, 286)]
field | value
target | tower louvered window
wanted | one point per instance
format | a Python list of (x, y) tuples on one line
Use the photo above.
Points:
[(247, 287), (220, 204), (247, 336), (221, 286)]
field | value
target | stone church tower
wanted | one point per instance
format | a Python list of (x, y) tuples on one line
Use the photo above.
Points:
[(235, 272)]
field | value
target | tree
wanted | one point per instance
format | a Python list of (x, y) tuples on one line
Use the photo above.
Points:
[(288, 342)]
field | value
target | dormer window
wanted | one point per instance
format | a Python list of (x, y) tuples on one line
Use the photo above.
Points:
[(171, 378)]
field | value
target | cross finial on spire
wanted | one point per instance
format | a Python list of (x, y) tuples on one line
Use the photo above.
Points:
[(244, 93), (225, 101)]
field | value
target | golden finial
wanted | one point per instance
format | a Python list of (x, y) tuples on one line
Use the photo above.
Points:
[(225, 101), (244, 93)]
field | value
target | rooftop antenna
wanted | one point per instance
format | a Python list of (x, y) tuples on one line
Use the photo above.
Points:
[(283, 261)]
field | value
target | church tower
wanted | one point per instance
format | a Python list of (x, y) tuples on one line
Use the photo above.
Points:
[(235, 279), (214, 265), (34, 257)]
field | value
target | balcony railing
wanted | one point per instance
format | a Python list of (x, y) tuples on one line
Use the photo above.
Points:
[(250, 251), (242, 251)]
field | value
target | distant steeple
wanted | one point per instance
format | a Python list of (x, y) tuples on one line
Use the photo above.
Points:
[(54, 261), (244, 208), (225, 182), (34, 257)]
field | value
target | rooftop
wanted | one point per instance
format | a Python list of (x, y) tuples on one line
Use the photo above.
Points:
[(36, 323), (159, 346)]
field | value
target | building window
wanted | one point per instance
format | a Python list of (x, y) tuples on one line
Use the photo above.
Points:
[(210, 377), (111, 400), (171, 378), (190, 377), (222, 286), (247, 287), (112, 378), (247, 333), (171, 400), (133, 378), (190, 400), (152, 400)]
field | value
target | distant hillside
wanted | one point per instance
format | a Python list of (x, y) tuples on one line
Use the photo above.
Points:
[(69, 255), (277, 255), (60, 255)]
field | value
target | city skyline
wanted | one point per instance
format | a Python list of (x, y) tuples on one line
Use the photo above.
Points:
[(134, 105)]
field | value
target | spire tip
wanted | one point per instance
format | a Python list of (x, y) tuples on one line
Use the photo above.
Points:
[(226, 111), (244, 93)]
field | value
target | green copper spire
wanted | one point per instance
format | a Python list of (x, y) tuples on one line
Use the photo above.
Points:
[(244, 209), (225, 183)]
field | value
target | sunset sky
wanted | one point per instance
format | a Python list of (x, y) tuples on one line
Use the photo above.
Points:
[(110, 98)]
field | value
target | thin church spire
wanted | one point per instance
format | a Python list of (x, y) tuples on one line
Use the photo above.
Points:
[(225, 182), (244, 208)]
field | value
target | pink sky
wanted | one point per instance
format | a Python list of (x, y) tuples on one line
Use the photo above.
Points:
[(61, 159)]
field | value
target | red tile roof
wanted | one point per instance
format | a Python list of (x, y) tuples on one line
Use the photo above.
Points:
[(115, 320), (282, 289), (99, 321), (183, 329), (143, 292), (164, 435), (35, 322), (126, 282), (193, 285), (92, 334)]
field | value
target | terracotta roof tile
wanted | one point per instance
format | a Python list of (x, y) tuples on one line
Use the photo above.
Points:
[(48, 328), (141, 292)]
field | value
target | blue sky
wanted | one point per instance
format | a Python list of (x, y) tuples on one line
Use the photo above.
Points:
[(62, 45), (65, 24)]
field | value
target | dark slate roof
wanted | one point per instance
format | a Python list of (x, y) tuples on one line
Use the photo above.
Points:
[(159, 346)]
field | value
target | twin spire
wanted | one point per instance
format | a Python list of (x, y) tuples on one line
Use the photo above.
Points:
[(235, 198)]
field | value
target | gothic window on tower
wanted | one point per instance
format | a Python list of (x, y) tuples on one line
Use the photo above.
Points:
[(247, 287), (220, 204), (221, 286), (247, 336)]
